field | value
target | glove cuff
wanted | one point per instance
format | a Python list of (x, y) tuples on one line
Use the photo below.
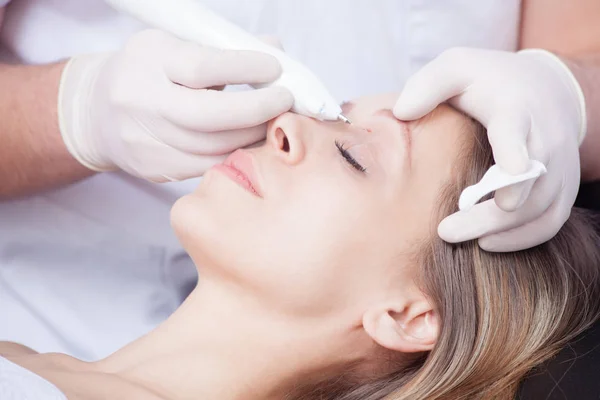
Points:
[(575, 84), (75, 109)]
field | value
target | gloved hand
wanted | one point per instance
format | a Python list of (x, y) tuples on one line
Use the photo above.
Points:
[(533, 108), (149, 109)]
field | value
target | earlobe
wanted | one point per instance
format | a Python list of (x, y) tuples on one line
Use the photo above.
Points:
[(407, 328)]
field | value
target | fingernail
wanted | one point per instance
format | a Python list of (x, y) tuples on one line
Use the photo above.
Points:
[(486, 244), (509, 198), (447, 230), (492, 244), (398, 108)]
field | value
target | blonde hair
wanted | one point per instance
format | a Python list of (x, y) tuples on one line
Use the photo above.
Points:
[(501, 314)]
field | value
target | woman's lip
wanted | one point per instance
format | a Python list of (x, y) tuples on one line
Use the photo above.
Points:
[(239, 166)]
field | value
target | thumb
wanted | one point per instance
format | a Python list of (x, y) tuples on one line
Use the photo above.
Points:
[(441, 79), (507, 134)]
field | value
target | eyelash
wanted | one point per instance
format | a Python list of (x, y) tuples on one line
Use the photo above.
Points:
[(348, 157)]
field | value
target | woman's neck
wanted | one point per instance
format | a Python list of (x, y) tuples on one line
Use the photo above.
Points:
[(218, 346)]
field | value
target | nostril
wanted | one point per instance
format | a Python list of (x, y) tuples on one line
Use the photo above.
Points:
[(286, 145), (282, 140), (286, 141)]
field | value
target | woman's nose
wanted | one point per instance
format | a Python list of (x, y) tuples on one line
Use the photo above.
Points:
[(285, 136)]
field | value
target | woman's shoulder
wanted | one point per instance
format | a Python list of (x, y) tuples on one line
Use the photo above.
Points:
[(26, 374), (11, 349), (88, 385)]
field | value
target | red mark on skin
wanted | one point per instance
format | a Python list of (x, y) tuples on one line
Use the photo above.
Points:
[(408, 140), (405, 129), (362, 128)]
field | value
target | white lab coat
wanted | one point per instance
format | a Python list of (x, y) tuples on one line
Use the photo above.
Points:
[(86, 268)]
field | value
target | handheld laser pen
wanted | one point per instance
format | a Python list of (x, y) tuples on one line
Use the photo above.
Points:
[(189, 20)]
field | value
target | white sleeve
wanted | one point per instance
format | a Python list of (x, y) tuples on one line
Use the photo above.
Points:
[(18, 383)]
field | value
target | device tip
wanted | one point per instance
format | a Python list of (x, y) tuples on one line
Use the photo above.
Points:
[(343, 118)]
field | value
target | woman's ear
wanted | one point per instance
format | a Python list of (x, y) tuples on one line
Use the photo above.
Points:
[(405, 326)]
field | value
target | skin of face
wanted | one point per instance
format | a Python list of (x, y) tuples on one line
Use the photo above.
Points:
[(323, 238), (312, 276)]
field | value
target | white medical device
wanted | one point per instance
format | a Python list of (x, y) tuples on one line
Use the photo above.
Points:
[(190, 20)]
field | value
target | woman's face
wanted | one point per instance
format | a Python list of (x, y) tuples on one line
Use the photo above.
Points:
[(332, 211)]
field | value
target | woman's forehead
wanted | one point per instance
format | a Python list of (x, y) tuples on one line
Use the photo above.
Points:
[(367, 105)]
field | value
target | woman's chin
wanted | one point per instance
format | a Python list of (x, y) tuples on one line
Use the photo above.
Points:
[(198, 208), (181, 214), (203, 222), (206, 183)]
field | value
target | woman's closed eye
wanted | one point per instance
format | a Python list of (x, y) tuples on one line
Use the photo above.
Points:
[(349, 158)]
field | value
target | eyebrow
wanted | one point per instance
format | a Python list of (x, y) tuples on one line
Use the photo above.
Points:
[(404, 128)]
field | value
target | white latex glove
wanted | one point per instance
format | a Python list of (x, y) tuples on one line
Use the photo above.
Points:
[(149, 110), (533, 108)]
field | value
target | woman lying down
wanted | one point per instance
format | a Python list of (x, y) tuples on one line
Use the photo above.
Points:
[(322, 277)]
